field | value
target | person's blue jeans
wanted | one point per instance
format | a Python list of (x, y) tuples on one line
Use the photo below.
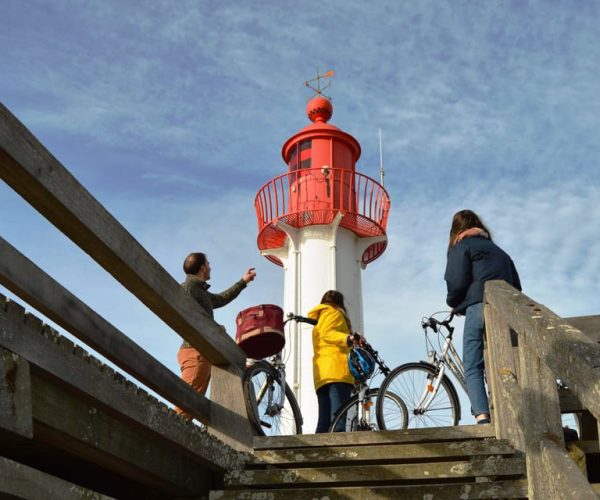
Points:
[(473, 359), (331, 397)]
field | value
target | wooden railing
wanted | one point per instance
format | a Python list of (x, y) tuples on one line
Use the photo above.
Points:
[(528, 349), (31, 170)]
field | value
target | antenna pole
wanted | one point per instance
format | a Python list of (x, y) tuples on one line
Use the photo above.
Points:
[(381, 171)]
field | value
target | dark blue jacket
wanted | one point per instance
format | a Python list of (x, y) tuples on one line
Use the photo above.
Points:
[(471, 263)]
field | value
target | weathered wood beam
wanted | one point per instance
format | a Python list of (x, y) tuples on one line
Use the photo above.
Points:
[(22, 277), (502, 377), (33, 172), (589, 325), (58, 357), (88, 431), (540, 414), (19, 481), (15, 394), (563, 479), (572, 356)]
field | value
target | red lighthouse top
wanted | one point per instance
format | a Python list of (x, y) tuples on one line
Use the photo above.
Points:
[(319, 109), (321, 183)]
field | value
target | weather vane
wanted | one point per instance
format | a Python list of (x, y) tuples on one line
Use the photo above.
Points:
[(319, 89)]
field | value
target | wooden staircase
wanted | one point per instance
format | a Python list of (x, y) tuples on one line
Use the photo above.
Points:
[(446, 463)]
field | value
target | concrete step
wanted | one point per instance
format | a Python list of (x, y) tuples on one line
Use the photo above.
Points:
[(432, 434), (447, 491), (378, 453), (436, 463), (492, 466)]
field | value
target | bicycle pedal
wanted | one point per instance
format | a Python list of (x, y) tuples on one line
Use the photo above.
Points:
[(265, 424)]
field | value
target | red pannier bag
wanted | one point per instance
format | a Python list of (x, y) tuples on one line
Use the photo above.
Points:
[(259, 330)]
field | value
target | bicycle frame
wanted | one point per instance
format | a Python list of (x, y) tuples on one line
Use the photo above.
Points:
[(364, 402), (273, 408), (448, 357)]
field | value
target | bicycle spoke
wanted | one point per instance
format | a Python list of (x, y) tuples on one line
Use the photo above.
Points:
[(427, 407), (265, 390)]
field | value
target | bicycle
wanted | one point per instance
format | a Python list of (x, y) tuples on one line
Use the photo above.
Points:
[(425, 387), (356, 413), (270, 403)]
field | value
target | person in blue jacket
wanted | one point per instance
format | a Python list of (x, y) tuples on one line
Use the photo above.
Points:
[(473, 259)]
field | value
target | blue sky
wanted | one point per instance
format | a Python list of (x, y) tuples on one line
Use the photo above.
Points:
[(173, 115)]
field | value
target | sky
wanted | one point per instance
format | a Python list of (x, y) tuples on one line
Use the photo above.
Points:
[(173, 114)]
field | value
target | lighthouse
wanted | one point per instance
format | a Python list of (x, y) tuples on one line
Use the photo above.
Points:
[(323, 222)]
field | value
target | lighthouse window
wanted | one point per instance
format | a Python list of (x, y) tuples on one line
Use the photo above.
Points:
[(302, 151), (305, 147)]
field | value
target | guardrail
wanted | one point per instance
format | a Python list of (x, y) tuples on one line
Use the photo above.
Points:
[(315, 196)]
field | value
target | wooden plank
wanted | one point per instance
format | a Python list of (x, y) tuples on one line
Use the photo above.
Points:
[(571, 354), (432, 434), (33, 285), (31, 170), (381, 453), (366, 474), (15, 394), (90, 432), (57, 356), (19, 481), (451, 491)]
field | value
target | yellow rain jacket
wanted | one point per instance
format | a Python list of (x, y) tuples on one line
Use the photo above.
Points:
[(330, 358)]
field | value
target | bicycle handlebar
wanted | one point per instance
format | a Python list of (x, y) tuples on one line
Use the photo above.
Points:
[(300, 319), (433, 323)]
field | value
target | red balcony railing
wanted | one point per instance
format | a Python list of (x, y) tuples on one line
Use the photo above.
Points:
[(314, 196)]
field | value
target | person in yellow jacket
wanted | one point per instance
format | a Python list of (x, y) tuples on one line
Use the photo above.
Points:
[(332, 337)]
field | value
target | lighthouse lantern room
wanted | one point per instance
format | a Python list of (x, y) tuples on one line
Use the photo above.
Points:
[(323, 222)]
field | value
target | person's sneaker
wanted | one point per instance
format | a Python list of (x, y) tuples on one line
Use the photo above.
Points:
[(484, 421)]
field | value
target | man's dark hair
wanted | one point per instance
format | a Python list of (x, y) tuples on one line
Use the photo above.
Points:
[(193, 262)]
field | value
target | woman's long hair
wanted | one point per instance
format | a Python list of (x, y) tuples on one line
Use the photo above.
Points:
[(336, 299), (463, 220)]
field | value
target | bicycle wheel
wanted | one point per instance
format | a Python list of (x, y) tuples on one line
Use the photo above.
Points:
[(267, 411), (412, 382), (348, 412), (393, 410)]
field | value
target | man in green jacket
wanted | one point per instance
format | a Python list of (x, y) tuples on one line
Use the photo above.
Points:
[(195, 368)]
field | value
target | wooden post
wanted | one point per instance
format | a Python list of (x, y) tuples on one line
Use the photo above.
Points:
[(229, 409), (540, 416), (506, 394), (549, 348)]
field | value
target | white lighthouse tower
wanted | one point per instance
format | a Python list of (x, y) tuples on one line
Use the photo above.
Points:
[(323, 222)]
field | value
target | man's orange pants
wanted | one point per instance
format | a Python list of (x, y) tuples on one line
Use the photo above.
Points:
[(195, 370)]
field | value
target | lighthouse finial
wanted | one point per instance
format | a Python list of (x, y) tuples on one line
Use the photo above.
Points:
[(319, 89)]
